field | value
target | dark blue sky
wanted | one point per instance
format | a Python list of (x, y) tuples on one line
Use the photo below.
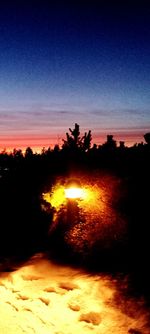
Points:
[(63, 62)]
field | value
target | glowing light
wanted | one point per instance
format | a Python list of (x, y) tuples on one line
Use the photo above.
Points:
[(91, 197), (85, 214), (57, 196), (74, 193)]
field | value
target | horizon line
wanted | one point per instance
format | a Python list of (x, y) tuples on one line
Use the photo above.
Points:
[(37, 143)]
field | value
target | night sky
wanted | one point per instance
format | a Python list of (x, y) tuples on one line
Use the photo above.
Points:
[(63, 62)]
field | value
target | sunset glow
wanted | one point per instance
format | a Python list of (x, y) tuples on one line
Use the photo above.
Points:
[(8, 142)]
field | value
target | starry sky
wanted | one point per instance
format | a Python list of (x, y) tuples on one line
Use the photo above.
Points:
[(63, 62)]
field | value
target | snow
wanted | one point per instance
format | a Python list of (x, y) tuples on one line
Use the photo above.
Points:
[(43, 297)]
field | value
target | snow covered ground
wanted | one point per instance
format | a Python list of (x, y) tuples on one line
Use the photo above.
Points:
[(45, 298)]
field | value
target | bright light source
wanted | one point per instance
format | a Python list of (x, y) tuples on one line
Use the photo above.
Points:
[(74, 192)]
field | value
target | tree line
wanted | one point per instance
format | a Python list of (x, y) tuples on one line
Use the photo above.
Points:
[(76, 152), (74, 141)]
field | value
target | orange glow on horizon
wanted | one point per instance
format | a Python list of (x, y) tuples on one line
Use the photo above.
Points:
[(36, 147), (36, 142)]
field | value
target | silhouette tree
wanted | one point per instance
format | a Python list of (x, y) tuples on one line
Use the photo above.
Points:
[(121, 144), (43, 151), (147, 138), (74, 141), (56, 148), (28, 152), (17, 153), (110, 143), (86, 141)]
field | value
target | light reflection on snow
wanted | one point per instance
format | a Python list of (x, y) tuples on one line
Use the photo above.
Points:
[(42, 297)]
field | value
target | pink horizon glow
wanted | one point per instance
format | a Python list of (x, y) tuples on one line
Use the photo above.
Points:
[(36, 142)]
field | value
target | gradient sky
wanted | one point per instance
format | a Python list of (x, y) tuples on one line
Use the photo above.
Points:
[(63, 62)]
